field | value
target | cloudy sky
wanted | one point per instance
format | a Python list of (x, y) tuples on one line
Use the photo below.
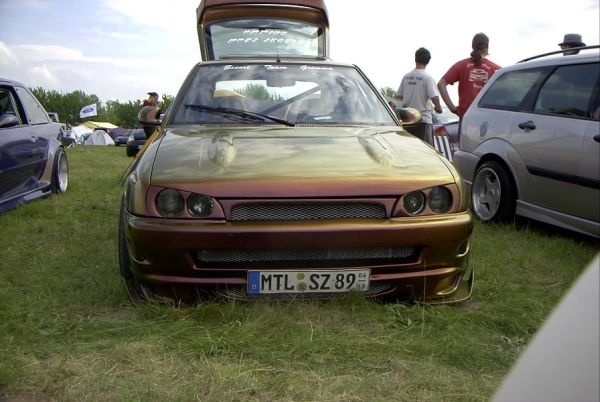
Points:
[(121, 49)]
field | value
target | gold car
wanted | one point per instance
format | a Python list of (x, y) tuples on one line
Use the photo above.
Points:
[(277, 178)]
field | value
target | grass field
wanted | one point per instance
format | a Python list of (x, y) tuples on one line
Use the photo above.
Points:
[(69, 333)]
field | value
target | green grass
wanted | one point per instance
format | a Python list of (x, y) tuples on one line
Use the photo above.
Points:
[(69, 333)]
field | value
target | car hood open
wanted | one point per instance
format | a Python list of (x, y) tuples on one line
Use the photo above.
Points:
[(298, 162)]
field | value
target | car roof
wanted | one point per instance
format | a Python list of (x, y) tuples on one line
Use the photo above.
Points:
[(7, 81), (557, 58), (204, 4), (275, 61)]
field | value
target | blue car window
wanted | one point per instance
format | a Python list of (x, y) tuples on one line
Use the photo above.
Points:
[(34, 111)]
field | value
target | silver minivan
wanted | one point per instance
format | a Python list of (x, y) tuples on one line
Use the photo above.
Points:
[(530, 143)]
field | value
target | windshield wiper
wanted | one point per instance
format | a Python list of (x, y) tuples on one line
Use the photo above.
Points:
[(243, 114)]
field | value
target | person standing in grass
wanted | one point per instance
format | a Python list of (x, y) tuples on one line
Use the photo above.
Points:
[(471, 74), (417, 90)]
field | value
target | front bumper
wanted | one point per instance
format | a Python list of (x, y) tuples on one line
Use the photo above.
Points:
[(170, 251)]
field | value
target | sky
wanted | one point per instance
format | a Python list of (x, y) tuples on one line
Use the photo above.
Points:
[(121, 49)]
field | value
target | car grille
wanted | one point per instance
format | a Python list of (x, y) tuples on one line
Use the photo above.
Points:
[(240, 293), (306, 211), (307, 257)]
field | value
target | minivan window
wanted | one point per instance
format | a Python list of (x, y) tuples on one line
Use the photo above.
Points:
[(569, 90), (510, 90)]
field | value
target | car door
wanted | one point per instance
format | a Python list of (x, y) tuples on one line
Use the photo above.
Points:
[(24, 146), (589, 166), (551, 139)]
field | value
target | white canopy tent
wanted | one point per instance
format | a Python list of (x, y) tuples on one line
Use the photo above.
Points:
[(78, 132), (99, 137)]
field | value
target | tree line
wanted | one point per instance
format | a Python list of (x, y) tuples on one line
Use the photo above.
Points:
[(68, 105)]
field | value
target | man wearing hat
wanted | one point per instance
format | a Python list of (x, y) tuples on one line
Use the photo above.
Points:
[(570, 41), (152, 99)]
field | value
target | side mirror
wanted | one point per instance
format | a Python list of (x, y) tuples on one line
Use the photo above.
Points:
[(8, 120), (53, 117), (408, 116)]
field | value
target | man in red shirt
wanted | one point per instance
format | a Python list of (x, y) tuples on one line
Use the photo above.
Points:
[(471, 74)]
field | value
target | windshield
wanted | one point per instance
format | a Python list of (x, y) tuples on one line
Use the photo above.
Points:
[(250, 37), (297, 93)]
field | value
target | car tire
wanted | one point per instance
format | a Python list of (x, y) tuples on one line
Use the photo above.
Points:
[(493, 196), (137, 291), (60, 172)]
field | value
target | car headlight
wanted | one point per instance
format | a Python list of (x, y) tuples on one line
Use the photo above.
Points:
[(440, 200), (199, 205), (169, 203), (414, 202)]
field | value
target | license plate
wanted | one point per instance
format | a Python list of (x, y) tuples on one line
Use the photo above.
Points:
[(308, 281)]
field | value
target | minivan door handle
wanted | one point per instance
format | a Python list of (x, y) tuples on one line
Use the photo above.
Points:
[(527, 125), (597, 138)]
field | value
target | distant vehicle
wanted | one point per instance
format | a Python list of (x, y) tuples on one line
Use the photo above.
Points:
[(446, 123), (120, 135), (530, 143), (33, 162), (135, 141)]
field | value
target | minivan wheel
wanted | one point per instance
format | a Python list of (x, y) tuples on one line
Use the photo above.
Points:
[(493, 193)]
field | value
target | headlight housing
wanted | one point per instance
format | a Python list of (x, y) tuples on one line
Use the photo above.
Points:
[(169, 203), (199, 205), (181, 204), (414, 202), (428, 201), (440, 200)]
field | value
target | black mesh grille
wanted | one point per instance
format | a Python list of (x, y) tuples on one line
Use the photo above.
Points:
[(306, 211), (294, 257)]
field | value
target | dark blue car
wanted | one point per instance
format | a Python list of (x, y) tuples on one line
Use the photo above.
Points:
[(33, 162)]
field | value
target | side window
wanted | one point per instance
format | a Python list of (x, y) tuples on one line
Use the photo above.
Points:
[(569, 91), (34, 111), (510, 90), (7, 103)]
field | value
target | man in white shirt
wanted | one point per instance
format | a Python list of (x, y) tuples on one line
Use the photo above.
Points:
[(418, 90)]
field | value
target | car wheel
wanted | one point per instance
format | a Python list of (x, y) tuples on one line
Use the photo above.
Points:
[(493, 193), (138, 292), (60, 172)]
